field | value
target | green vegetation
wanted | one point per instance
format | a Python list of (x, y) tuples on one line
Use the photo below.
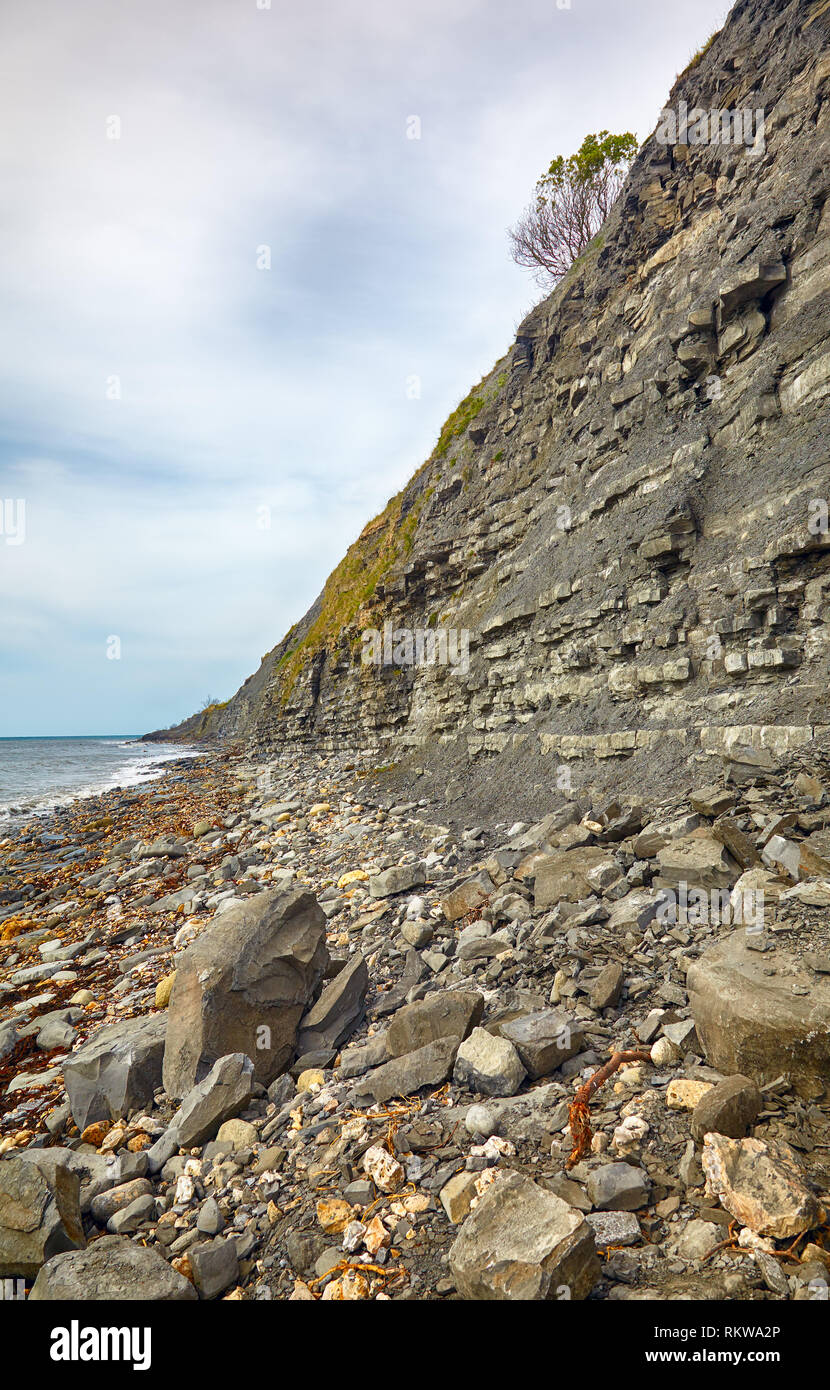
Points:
[(351, 586), (460, 420), (573, 200), (383, 543), (698, 57)]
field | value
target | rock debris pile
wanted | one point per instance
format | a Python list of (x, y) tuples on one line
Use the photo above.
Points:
[(298, 1043)]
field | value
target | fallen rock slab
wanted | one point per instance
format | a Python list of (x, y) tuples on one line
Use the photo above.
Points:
[(403, 1076), (399, 879), (761, 1183), (522, 1243), (564, 876), (489, 1065), (730, 1108), (338, 1011), (243, 987), (117, 1071), (40, 1216), (618, 1187), (224, 1092), (114, 1268), (544, 1040), (759, 1024), (699, 861), (449, 1013)]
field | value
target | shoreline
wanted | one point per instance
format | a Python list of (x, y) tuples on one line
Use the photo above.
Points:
[(38, 807), (44, 860), (458, 987)]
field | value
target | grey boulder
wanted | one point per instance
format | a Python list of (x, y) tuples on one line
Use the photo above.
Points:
[(40, 1216), (403, 1076), (338, 1011), (117, 1071), (113, 1268), (544, 1040), (220, 1096), (522, 1243), (398, 879), (488, 1065), (448, 1013), (243, 987)]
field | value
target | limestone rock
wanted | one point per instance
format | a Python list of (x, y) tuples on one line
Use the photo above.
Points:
[(544, 1040), (466, 898), (40, 1216), (338, 1011), (398, 879), (116, 1071), (730, 1108), (522, 1243), (489, 1065), (113, 1269), (564, 876), (754, 1023), (700, 861), (220, 1096), (403, 1076), (618, 1187), (444, 1014), (215, 1266), (607, 987), (243, 987), (761, 1184)]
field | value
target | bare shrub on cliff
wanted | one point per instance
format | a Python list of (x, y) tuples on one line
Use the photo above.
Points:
[(572, 201)]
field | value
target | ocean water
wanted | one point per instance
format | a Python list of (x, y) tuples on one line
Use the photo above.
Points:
[(39, 774)]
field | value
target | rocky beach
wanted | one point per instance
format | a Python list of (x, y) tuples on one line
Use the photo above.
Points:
[(477, 948), (266, 1034)]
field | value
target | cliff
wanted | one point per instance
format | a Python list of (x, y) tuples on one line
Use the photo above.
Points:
[(626, 520)]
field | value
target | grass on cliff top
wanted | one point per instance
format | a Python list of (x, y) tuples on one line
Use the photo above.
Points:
[(698, 57)]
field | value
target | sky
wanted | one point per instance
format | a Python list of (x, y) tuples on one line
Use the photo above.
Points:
[(251, 256)]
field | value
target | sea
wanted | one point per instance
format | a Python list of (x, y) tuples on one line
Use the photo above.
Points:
[(37, 775)]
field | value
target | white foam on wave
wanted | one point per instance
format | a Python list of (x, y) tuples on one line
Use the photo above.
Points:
[(136, 772)]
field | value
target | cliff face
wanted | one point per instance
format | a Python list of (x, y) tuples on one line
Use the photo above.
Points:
[(625, 517)]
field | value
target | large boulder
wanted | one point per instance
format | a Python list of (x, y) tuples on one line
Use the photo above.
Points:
[(759, 1024), (448, 1013), (114, 1268), (40, 1216), (521, 1243), (544, 1040), (96, 1172), (117, 1071), (243, 986), (564, 876), (218, 1097), (699, 861), (760, 1183), (338, 1010), (489, 1065)]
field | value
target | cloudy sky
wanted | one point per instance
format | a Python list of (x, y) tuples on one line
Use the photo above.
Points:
[(164, 393)]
